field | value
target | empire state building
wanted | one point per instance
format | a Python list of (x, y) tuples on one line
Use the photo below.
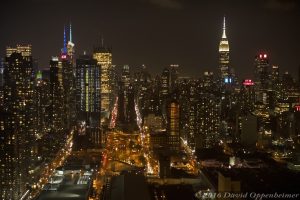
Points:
[(224, 68)]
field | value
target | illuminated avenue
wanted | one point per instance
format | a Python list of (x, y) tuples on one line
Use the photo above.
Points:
[(86, 129)]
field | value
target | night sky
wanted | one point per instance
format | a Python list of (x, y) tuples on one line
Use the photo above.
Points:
[(159, 32)]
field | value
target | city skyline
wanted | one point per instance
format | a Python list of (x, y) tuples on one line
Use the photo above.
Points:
[(220, 118), (164, 33)]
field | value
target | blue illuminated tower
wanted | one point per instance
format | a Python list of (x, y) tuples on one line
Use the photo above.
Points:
[(64, 49)]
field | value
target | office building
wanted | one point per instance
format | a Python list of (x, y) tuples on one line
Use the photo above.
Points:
[(246, 97), (261, 72), (103, 55), (56, 95), (88, 98)]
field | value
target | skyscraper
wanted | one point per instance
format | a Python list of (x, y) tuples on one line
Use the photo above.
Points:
[(125, 82), (56, 95), (247, 97), (42, 104), (141, 84), (17, 133), (224, 67), (103, 55), (125, 77), (207, 119), (165, 83), (87, 84), (62, 72), (68, 84), (173, 129), (88, 96), (261, 72)]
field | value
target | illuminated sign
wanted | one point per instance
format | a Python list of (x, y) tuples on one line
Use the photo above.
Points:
[(297, 108), (248, 82)]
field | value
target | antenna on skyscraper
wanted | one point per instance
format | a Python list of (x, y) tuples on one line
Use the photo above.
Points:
[(102, 41), (224, 27), (65, 41), (70, 32)]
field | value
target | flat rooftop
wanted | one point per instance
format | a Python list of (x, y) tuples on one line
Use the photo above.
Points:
[(129, 187), (68, 190)]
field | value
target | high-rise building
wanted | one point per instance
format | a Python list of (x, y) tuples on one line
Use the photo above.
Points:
[(224, 67), (249, 132), (288, 81), (68, 84), (63, 73), (17, 133), (275, 74), (261, 72), (125, 82), (87, 84), (125, 77), (42, 104), (103, 55), (62, 86), (173, 130), (24, 50), (56, 94), (142, 82), (207, 119), (121, 104), (246, 98), (208, 80), (165, 83), (173, 75), (88, 97), (192, 114)]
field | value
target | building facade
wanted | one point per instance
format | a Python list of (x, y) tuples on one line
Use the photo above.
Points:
[(17, 131)]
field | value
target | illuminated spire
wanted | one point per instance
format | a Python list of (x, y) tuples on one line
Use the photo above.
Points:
[(65, 41), (224, 29), (70, 32)]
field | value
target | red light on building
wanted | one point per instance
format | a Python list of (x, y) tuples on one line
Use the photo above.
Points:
[(263, 56), (297, 108), (248, 82), (63, 56)]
